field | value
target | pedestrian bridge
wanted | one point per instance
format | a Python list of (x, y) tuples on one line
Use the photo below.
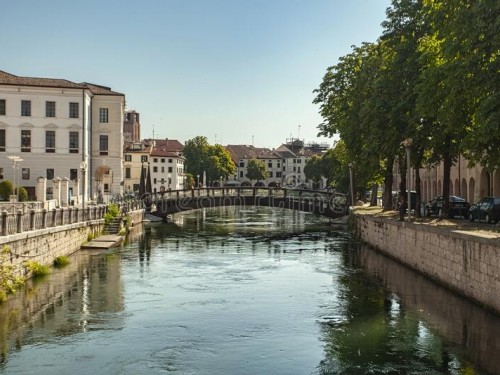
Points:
[(327, 204)]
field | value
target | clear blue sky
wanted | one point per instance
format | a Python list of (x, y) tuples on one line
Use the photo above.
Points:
[(230, 70)]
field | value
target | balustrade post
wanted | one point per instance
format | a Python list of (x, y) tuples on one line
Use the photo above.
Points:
[(4, 222), (77, 213), (32, 220), (54, 213), (44, 218), (19, 221)]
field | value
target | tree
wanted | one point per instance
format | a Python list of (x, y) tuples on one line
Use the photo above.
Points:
[(196, 152), (314, 169), (256, 170), (6, 189), (201, 157)]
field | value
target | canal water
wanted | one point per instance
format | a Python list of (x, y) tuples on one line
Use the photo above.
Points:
[(243, 291)]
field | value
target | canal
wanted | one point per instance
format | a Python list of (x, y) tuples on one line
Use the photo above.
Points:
[(243, 291)]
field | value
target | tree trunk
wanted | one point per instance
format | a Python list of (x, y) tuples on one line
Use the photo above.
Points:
[(388, 180), (374, 197)]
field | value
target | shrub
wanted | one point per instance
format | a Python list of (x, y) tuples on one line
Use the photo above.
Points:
[(113, 211), (9, 278), (61, 261), (37, 269), (6, 189)]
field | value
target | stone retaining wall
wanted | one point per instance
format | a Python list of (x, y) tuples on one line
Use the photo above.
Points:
[(45, 245), (462, 261)]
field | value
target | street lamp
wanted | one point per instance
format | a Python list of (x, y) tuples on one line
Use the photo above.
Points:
[(407, 143), (197, 181), (351, 166), (83, 167), (16, 160)]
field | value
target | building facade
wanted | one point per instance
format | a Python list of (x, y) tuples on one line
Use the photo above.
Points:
[(59, 129)]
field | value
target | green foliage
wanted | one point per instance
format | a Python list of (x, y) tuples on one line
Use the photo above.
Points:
[(201, 157), (256, 170), (189, 181), (6, 189), (10, 280), (61, 261), (90, 237), (36, 269), (23, 194), (112, 212)]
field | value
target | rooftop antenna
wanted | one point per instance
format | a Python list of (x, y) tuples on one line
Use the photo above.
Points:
[(153, 131), (299, 133)]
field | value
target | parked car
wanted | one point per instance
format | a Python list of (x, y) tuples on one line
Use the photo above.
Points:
[(458, 207), (487, 209)]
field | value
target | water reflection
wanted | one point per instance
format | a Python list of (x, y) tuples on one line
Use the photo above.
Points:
[(230, 291)]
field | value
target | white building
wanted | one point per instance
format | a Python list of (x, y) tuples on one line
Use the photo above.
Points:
[(166, 165), (54, 125)]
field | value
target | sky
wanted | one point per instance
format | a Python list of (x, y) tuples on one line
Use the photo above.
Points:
[(234, 71)]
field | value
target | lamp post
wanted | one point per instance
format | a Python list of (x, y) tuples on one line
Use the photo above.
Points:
[(16, 160), (83, 167), (197, 181), (351, 166), (407, 143)]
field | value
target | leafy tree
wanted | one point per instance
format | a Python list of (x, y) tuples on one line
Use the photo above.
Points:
[(6, 189), (202, 157), (314, 169), (196, 152), (256, 170)]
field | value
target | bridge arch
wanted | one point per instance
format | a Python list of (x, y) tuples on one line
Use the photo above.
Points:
[(331, 205)]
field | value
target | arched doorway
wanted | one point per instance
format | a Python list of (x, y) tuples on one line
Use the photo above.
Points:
[(496, 182), (246, 183), (463, 192), (260, 184), (472, 189), (484, 184), (273, 184), (457, 187)]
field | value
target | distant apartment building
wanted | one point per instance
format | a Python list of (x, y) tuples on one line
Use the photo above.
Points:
[(285, 165), (54, 125), (160, 160)]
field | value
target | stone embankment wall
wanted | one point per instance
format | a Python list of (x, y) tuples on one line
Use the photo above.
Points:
[(463, 261), (45, 245)]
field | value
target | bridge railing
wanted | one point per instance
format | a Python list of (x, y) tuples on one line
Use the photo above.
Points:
[(178, 200), (23, 221)]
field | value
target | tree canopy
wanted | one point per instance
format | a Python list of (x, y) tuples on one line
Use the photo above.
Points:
[(432, 76), (213, 160), (256, 170)]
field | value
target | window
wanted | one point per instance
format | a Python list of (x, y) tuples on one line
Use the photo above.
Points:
[(271, 174), (103, 115), (162, 169), (2, 139), (1, 173), (103, 144), (2, 107), (106, 188), (128, 157), (50, 141), (25, 173), (242, 164), (74, 110), (144, 158), (50, 109), (162, 160), (73, 142), (127, 173), (25, 140), (155, 160), (155, 169), (241, 174), (50, 174), (170, 160), (298, 169), (278, 174), (25, 107), (170, 169), (270, 164), (73, 174)]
